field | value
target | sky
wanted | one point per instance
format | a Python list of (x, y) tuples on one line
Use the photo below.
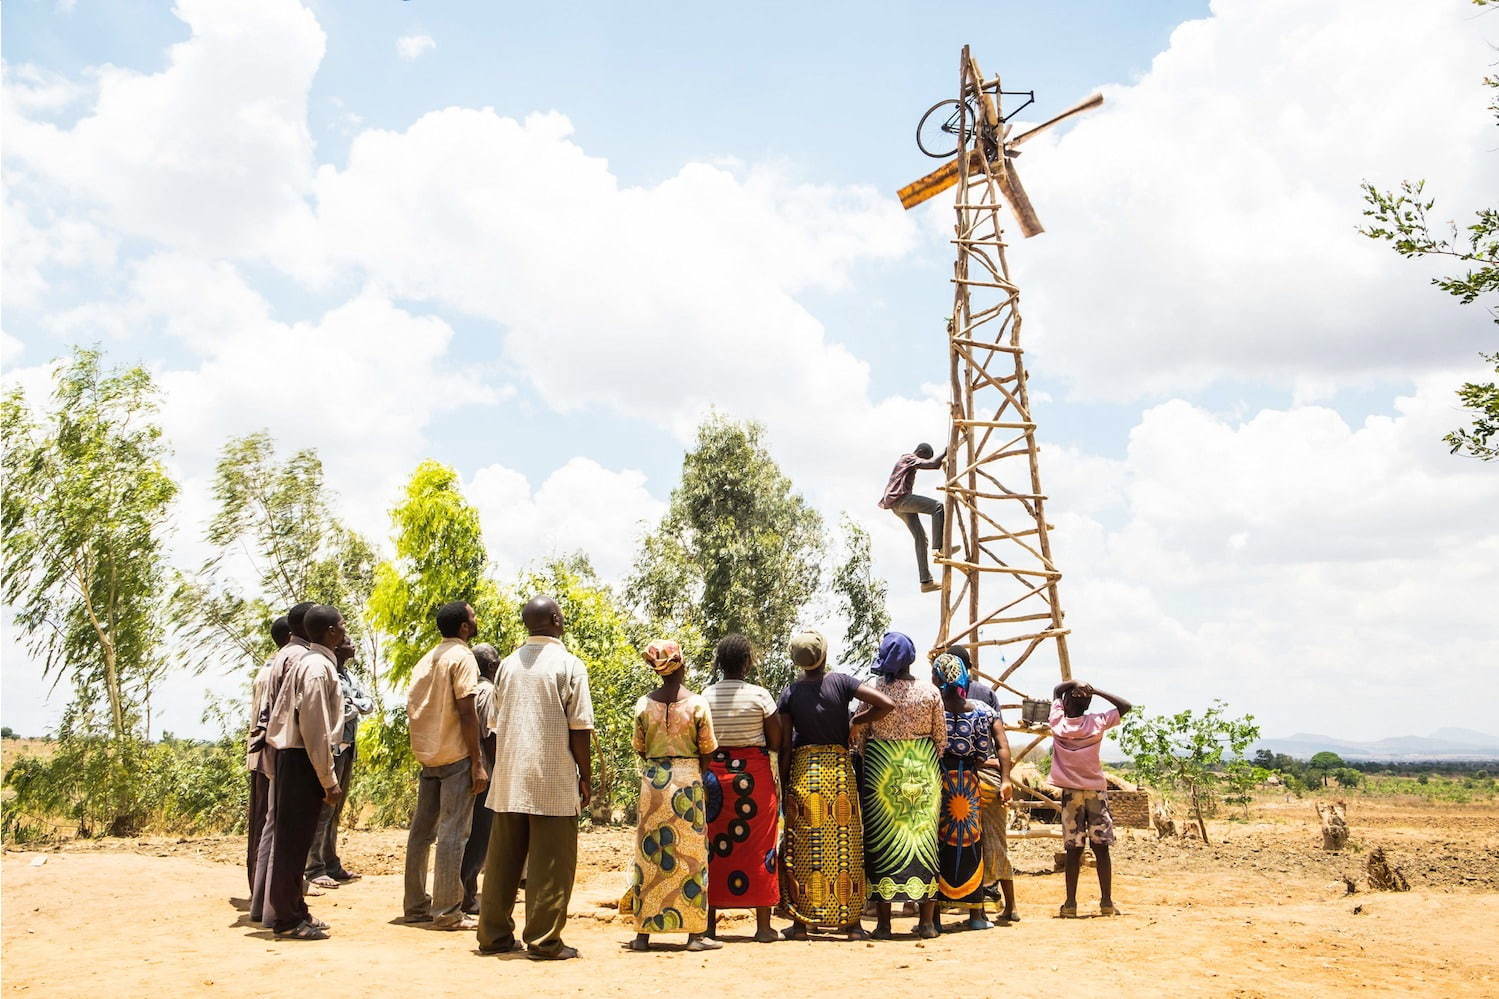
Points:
[(540, 243)]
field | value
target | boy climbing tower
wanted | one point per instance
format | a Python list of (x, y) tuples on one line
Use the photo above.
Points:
[(909, 507)]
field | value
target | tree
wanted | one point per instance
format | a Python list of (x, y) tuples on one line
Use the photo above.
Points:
[(1347, 777), (85, 513), (737, 550), (440, 556), (1401, 219), (278, 516), (1196, 753), (861, 597)]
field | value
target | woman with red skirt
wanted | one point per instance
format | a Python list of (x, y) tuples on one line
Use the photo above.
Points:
[(742, 808)]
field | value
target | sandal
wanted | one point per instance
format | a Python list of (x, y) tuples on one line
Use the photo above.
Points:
[(316, 923), (563, 953), (704, 943), (1109, 910), (1067, 912), (302, 931), (324, 881)]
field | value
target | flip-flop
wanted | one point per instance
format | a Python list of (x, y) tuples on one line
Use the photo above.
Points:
[(1067, 912), (324, 881), (316, 923), (1109, 910), (345, 877)]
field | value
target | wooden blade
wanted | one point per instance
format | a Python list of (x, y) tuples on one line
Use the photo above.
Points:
[(1020, 202), (937, 181), (1086, 104)]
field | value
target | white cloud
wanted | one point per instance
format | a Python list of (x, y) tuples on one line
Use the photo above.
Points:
[(413, 47), (212, 154), (1201, 226), (581, 506)]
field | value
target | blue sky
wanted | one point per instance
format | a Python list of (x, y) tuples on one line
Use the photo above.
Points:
[(668, 210)]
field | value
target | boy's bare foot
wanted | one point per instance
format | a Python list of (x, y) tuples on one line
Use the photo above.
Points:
[(926, 931)]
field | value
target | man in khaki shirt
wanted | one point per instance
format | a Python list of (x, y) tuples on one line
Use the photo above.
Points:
[(260, 783), (305, 719), (445, 741)]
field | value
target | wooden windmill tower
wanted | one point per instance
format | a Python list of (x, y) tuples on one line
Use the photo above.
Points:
[(1000, 585)]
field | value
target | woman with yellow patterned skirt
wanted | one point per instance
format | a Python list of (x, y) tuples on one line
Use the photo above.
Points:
[(822, 854), (901, 790), (673, 734)]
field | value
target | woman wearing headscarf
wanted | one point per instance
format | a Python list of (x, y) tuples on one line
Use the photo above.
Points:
[(995, 791), (822, 854), (901, 791), (743, 809), (973, 732), (673, 735)]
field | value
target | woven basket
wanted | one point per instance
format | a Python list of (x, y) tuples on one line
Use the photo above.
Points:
[(1131, 809)]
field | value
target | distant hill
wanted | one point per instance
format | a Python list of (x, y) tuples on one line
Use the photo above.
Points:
[(1443, 744)]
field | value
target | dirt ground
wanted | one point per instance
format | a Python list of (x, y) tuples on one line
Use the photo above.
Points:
[(1260, 912)]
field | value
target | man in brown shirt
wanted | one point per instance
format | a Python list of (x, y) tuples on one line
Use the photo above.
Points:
[(268, 684), (900, 500), (445, 741), (305, 719)]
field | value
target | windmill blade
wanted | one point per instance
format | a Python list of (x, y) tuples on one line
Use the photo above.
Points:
[(1020, 202), (937, 181), (1086, 104)]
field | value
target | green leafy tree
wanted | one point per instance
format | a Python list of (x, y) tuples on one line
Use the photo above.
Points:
[(1347, 777), (278, 515), (738, 550), (861, 597), (1195, 753), (440, 556), (85, 512), (1402, 218)]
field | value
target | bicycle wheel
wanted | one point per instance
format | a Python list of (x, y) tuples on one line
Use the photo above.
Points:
[(937, 132)]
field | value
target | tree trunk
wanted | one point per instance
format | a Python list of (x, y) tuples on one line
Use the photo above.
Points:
[(1202, 826)]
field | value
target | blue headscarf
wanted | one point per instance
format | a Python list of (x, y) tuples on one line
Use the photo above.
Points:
[(950, 672), (897, 651)]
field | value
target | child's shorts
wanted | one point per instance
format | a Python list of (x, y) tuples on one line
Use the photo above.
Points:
[(1086, 818)]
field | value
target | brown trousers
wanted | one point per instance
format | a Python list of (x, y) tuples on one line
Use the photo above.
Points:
[(544, 850)]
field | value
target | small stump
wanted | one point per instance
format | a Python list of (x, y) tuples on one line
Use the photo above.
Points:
[(1383, 876)]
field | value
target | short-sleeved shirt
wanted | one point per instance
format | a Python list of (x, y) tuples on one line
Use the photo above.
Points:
[(541, 694), (918, 712), (442, 678), (971, 734), (739, 710), (677, 730), (983, 693), (818, 709), (1074, 748), (902, 477)]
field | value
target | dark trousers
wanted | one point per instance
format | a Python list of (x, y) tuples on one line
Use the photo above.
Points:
[(322, 856), (543, 849), (299, 798), (478, 838), (260, 795), (909, 509)]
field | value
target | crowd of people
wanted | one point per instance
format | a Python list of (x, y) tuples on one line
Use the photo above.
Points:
[(789, 804)]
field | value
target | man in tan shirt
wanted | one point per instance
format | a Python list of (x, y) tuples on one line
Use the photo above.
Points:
[(306, 716), (445, 741)]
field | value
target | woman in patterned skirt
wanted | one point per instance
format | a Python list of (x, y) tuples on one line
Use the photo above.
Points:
[(743, 808), (973, 732), (673, 734), (822, 856), (900, 790)]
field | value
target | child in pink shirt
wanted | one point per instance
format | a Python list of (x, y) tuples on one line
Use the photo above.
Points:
[(1075, 769)]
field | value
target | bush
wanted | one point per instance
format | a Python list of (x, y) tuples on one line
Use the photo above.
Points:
[(382, 790), (104, 787)]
